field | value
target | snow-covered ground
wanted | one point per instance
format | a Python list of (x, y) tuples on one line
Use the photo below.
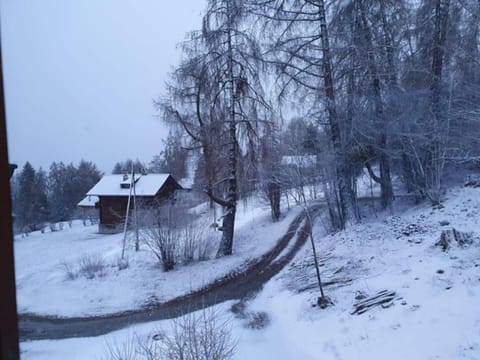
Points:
[(436, 314), (43, 286)]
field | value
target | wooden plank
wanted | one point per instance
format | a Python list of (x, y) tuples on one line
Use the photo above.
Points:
[(383, 298)]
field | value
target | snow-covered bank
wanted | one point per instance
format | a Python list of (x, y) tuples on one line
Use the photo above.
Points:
[(436, 315), (43, 286)]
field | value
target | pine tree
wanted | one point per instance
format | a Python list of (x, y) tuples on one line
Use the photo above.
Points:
[(31, 207)]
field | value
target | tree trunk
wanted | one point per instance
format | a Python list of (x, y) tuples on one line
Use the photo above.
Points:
[(226, 244), (273, 189), (341, 162), (436, 151), (379, 121)]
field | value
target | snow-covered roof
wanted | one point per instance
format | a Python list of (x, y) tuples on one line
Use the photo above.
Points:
[(88, 201), (145, 185)]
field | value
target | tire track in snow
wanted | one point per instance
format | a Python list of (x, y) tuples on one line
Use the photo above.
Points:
[(236, 285)]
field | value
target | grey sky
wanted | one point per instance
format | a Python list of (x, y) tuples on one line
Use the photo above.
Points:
[(80, 76)]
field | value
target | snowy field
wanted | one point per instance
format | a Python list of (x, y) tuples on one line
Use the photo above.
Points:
[(42, 260), (435, 314)]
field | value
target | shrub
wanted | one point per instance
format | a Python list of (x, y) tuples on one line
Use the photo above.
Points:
[(174, 236), (190, 236), (124, 351), (258, 320), (202, 336), (162, 242), (69, 270), (91, 266), (53, 227), (122, 264), (198, 243), (198, 336), (161, 235), (206, 247)]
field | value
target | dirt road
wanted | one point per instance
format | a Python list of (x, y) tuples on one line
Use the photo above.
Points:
[(234, 286)]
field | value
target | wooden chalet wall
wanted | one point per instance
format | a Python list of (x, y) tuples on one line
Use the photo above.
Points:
[(112, 211)]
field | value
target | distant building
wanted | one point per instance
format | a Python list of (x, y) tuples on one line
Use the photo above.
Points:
[(89, 207), (113, 192), (301, 161)]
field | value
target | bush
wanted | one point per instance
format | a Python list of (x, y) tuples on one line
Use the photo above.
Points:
[(162, 242), (258, 320), (125, 351), (190, 240), (202, 336), (205, 247), (123, 264), (174, 236), (198, 244), (69, 270), (195, 245), (160, 232), (91, 266)]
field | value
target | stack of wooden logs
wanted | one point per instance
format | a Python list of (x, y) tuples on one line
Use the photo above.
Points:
[(384, 298)]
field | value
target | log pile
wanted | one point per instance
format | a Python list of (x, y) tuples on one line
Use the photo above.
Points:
[(384, 298)]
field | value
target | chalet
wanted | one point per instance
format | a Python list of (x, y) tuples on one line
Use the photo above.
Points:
[(113, 192)]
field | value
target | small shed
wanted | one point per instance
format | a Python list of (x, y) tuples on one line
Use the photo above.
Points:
[(89, 207), (113, 192)]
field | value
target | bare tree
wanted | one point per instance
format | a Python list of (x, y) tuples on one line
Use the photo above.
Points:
[(302, 55), (270, 170), (222, 99)]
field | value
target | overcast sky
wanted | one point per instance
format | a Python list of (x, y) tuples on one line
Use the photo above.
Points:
[(80, 76)]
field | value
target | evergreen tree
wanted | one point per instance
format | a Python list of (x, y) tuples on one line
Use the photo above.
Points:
[(172, 159), (40, 199), (87, 176), (67, 185), (56, 186), (31, 207), (125, 167)]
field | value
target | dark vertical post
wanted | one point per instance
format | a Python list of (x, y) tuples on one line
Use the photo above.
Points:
[(8, 306)]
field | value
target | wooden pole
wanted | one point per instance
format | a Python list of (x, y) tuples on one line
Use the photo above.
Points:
[(135, 219), (126, 218), (314, 250)]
